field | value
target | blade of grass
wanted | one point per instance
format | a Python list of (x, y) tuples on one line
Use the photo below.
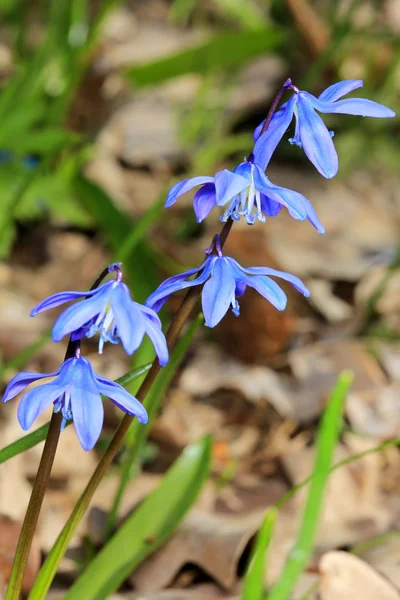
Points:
[(254, 580), (31, 439), (327, 438), (223, 51), (137, 435)]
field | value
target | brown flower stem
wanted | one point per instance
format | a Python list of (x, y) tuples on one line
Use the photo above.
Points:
[(34, 506), (274, 106), (40, 484)]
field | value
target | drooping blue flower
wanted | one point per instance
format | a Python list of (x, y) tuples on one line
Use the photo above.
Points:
[(75, 392), (311, 134), (110, 310), (225, 281), (250, 194)]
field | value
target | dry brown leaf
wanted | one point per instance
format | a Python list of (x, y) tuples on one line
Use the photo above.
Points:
[(317, 366), (375, 413), (184, 421), (355, 509), (205, 591), (385, 558), (334, 309), (213, 542), (360, 220), (345, 576), (9, 534), (256, 383)]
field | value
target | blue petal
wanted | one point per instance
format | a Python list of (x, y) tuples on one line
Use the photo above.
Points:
[(122, 398), (312, 216), (267, 143), (128, 319), (182, 187), (159, 342), (337, 90), (240, 288), (295, 281), (227, 185), (244, 169), (353, 106), (269, 290), (204, 201), (277, 115), (218, 293), (22, 380), (316, 139), (86, 404), (270, 207), (74, 317), (34, 402), (150, 313), (60, 298), (173, 284), (293, 201)]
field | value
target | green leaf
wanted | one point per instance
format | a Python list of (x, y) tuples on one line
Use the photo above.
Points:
[(222, 51), (327, 438), (245, 12), (31, 439), (147, 528), (254, 580), (138, 433)]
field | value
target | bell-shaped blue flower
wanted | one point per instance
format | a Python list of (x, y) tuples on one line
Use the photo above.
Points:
[(249, 193), (110, 310), (311, 134), (76, 392), (224, 281)]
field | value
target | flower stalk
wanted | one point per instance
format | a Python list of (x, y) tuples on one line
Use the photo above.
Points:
[(41, 480)]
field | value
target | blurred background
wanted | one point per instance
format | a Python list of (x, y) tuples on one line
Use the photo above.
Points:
[(103, 105)]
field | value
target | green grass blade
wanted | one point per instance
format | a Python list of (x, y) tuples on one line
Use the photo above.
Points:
[(143, 532), (246, 13), (223, 51), (254, 580), (138, 433), (327, 439), (31, 439)]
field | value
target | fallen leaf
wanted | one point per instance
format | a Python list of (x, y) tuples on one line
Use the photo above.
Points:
[(385, 558), (355, 508), (213, 542), (375, 413), (345, 576), (10, 530)]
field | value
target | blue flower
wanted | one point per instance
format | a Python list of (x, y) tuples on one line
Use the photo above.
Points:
[(311, 134), (250, 194), (110, 310), (225, 280), (76, 393)]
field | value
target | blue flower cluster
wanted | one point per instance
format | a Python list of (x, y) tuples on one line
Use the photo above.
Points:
[(76, 390), (109, 309)]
